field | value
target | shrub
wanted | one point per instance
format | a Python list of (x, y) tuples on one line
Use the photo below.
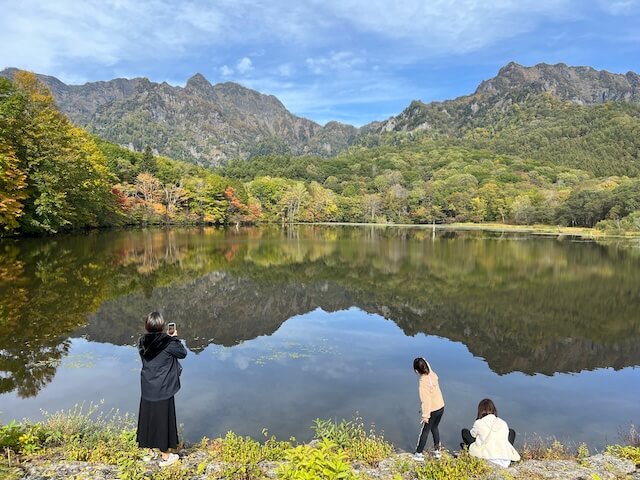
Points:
[(449, 468), (325, 462), (274, 449), (539, 449), (628, 452), (354, 439), (241, 456), (21, 438)]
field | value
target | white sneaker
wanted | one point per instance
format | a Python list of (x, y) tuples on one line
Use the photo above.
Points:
[(437, 454), (418, 457), (171, 459)]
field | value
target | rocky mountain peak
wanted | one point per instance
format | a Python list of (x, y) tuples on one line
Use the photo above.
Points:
[(198, 83), (581, 85)]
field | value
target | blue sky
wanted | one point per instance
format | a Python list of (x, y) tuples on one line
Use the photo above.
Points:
[(349, 60)]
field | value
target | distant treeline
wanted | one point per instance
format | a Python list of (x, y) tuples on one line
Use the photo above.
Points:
[(55, 176), (420, 180)]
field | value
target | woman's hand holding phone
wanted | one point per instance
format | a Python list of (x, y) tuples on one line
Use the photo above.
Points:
[(171, 330)]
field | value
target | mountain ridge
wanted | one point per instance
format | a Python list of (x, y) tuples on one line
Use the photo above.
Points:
[(208, 124)]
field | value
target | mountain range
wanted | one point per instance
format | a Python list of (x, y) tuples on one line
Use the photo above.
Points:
[(209, 124)]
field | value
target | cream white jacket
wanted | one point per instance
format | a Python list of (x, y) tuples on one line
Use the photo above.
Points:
[(492, 440)]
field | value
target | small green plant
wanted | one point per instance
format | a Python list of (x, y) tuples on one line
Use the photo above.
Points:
[(325, 462), (402, 466), (340, 433), (627, 452), (352, 437), (175, 472), (22, 438), (582, 454), (129, 468), (241, 456), (448, 468), (539, 449), (10, 436), (273, 449)]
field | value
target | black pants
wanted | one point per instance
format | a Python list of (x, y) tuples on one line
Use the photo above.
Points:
[(468, 439), (432, 426)]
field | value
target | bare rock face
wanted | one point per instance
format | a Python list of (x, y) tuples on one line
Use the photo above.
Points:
[(514, 84), (581, 85), (202, 123), (209, 124)]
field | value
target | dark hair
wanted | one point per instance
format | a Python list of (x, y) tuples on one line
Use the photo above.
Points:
[(154, 322), (421, 366), (486, 407)]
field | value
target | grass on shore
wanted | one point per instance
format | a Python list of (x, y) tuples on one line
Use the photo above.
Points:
[(86, 435), (536, 229)]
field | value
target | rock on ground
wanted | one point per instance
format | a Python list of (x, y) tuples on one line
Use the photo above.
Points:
[(606, 467)]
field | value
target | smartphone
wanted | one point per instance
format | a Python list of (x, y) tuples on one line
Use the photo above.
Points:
[(171, 328)]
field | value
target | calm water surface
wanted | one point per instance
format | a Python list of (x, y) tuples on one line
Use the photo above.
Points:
[(286, 325)]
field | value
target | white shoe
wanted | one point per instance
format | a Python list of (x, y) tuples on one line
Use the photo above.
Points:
[(437, 454), (418, 457), (171, 459)]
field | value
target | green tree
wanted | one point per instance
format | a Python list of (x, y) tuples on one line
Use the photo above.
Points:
[(148, 162), (68, 182)]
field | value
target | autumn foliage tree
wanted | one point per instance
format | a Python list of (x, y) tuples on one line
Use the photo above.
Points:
[(12, 189), (55, 177), (238, 211)]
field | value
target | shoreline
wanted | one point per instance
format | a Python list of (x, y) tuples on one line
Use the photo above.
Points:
[(534, 230), (537, 229), (79, 444)]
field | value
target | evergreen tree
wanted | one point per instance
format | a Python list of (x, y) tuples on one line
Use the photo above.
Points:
[(148, 162)]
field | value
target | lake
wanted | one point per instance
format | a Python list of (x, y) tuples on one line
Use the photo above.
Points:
[(285, 325)]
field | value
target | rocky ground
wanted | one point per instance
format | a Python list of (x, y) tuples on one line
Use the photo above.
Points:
[(597, 467)]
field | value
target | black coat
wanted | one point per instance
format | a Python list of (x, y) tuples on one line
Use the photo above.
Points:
[(160, 375)]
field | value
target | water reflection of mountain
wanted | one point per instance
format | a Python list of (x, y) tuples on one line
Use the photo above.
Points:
[(223, 309), (523, 304), (216, 308)]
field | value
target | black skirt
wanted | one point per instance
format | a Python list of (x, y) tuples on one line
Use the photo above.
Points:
[(157, 427)]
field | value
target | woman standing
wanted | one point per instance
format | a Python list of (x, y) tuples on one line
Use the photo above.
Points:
[(159, 381), (490, 437), (432, 407)]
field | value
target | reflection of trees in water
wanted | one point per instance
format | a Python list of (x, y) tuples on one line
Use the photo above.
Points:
[(48, 286), (29, 350), (525, 305)]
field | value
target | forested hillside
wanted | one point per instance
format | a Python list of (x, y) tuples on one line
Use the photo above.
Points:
[(423, 181), (56, 177), (570, 116), (541, 160)]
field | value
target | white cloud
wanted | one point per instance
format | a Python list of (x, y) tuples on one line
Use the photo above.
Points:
[(358, 49), (244, 65), (225, 71), (334, 61), (448, 26), (46, 36)]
